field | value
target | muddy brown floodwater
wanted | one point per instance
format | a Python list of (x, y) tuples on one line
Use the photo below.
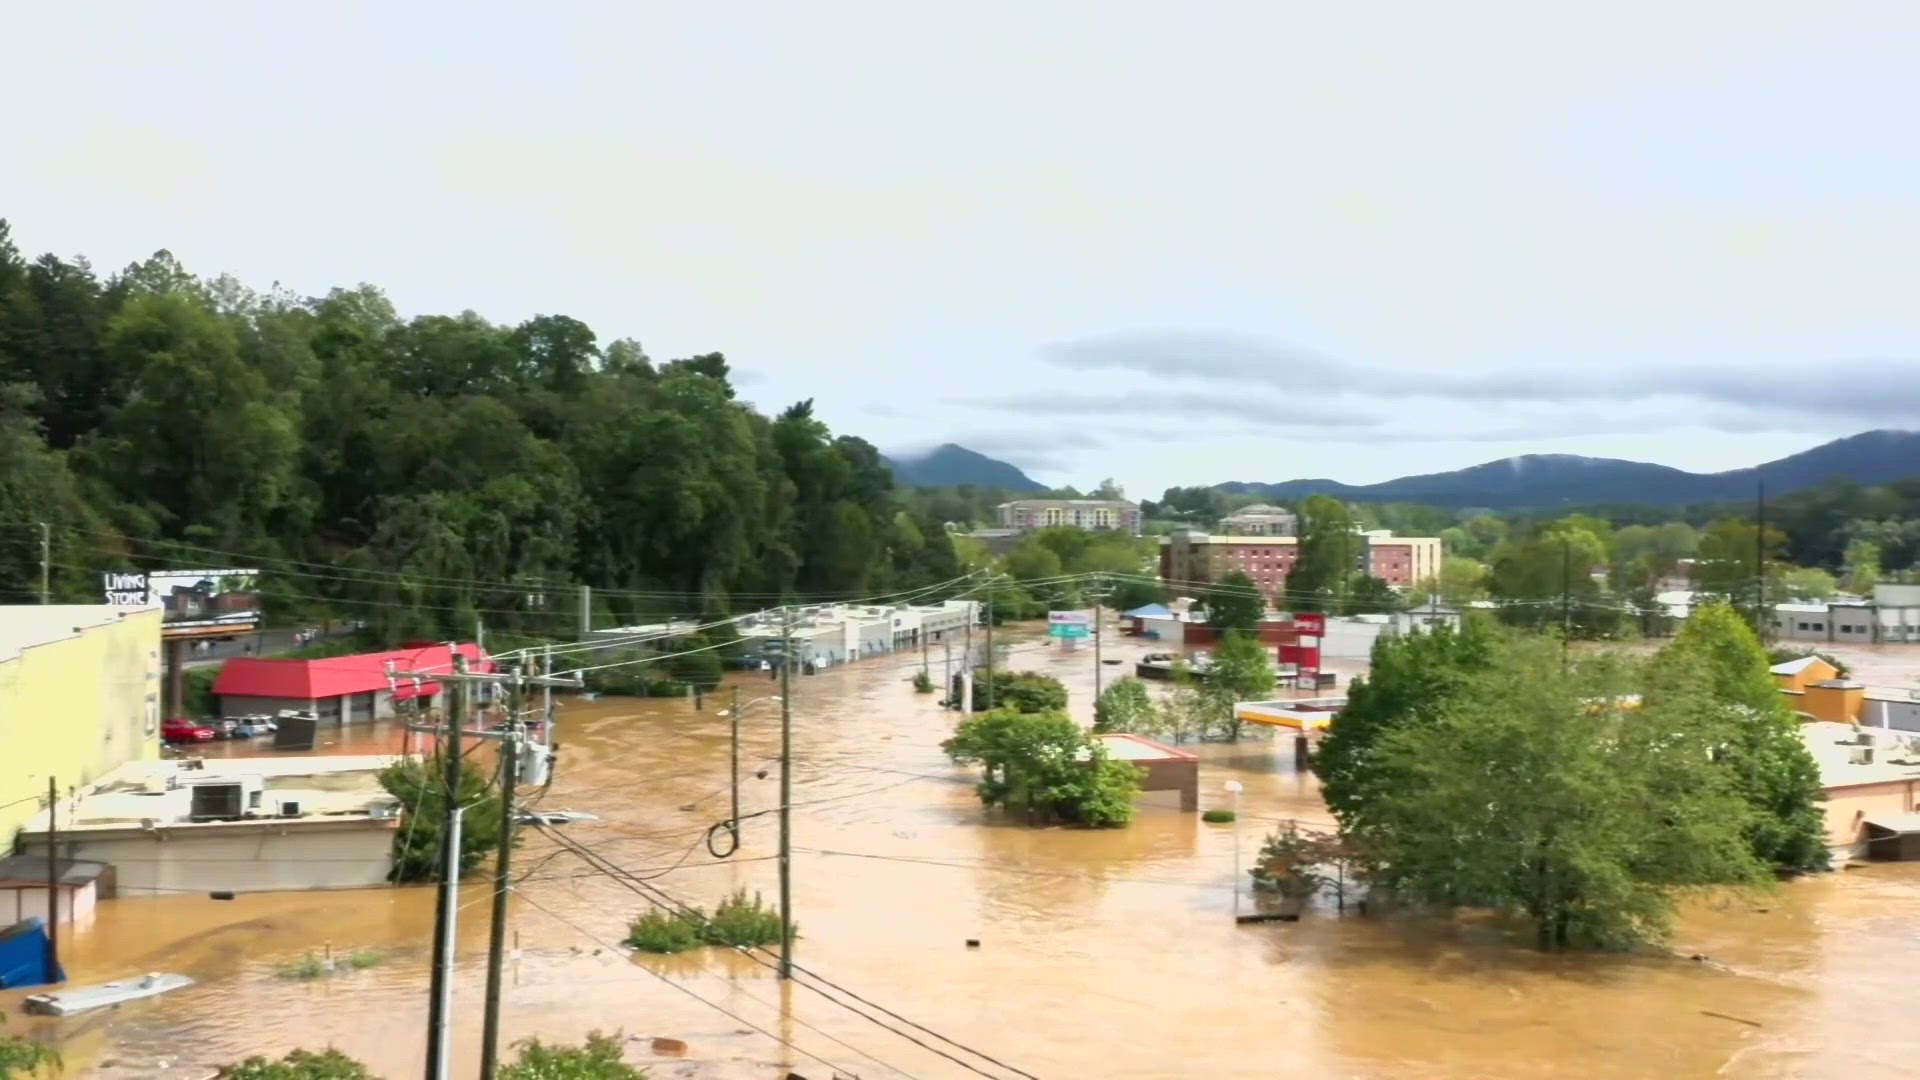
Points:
[(1102, 954)]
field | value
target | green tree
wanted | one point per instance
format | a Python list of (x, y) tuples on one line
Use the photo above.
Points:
[(1020, 691), (1762, 747), (1242, 671), (1736, 564), (1547, 580), (1330, 550), (1411, 680), (1461, 582), (419, 784), (1044, 766), (1862, 567), (1124, 705), (1544, 792), (1235, 603), (1809, 583), (1369, 595)]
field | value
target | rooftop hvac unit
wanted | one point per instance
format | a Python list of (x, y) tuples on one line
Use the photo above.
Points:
[(1862, 755), (218, 802)]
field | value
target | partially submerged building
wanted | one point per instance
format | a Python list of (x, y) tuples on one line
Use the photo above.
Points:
[(1871, 779), (234, 824), (340, 689)]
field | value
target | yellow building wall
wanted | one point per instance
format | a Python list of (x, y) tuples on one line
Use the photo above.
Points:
[(1840, 704), (1818, 671), (75, 708)]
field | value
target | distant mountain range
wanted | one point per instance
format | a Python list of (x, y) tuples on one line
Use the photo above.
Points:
[(1547, 480), (949, 465)]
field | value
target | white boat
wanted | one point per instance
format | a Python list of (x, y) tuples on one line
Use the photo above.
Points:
[(88, 998)]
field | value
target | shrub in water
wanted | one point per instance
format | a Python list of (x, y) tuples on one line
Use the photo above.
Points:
[(1217, 817), (309, 966), (739, 921), (661, 932)]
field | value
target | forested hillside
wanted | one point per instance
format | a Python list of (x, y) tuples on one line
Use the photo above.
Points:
[(156, 419)]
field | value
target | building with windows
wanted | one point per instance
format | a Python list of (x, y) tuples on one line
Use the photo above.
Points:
[(1190, 556), (1261, 520), (1098, 515), (79, 697)]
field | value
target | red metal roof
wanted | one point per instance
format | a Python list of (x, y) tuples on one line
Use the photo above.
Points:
[(306, 680)]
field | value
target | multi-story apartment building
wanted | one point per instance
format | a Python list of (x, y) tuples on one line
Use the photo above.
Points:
[(1103, 515), (1261, 520), (1189, 556)]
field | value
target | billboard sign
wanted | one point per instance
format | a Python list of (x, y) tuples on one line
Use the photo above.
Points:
[(1069, 625), (190, 599), (1311, 623)]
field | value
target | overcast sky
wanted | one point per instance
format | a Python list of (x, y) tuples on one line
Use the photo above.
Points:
[(1166, 243)]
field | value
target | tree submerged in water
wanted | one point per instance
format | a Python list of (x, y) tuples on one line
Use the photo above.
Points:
[(419, 784), (1042, 765), (600, 1058)]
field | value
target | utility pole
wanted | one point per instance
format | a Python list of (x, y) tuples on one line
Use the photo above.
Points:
[(946, 674), (510, 749), (440, 1007), (923, 650), (46, 564), (53, 879), (786, 793), (988, 688), (963, 702), (733, 717), (586, 612)]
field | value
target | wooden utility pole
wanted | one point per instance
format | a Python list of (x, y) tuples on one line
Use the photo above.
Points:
[(440, 1003), (510, 749), (987, 690), (786, 794)]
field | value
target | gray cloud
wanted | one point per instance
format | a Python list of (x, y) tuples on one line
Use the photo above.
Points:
[(1864, 392), (1262, 409)]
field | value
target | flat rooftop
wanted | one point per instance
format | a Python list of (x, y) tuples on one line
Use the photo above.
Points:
[(23, 626), (1896, 754), (1124, 747), (138, 790)]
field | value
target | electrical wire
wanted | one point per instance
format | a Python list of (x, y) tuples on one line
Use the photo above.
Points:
[(669, 903), (723, 1010)]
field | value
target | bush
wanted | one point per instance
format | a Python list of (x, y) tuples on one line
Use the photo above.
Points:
[(21, 1057), (922, 683), (663, 932), (362, 959), (600, 1059), (196, 694), (1125, 706), (1218, 817), (739, 922), (703, 669), (298, 1065)]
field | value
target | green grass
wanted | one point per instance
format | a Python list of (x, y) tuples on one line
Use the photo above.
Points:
[(362, 959), (1217, 817), (307, 967)]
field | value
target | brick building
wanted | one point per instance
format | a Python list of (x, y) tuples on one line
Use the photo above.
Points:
[(1401, 561), (1261, 520)]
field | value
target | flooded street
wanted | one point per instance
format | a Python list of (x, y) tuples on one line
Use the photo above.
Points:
[(1102, 954)]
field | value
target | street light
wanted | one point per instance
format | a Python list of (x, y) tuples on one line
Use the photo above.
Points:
[(1234, 788)]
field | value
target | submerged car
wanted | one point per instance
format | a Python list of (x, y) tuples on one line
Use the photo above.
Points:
[(179, 729)]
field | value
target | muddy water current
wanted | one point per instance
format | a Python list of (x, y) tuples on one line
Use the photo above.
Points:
[(1101, 954)]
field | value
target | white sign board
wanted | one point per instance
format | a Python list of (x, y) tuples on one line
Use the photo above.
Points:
[(191, 598)]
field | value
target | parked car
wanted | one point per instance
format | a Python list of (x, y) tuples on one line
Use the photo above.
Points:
[(179, 729)]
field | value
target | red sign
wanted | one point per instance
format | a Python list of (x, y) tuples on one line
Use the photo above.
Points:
[(1311, 623)]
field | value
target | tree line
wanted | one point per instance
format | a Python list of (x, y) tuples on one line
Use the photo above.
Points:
[(415, 473)]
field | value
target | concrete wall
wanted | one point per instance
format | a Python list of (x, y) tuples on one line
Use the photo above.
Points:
[(78, 706), (263, 856), (76, 904), (1901, 715), (1847, 809)]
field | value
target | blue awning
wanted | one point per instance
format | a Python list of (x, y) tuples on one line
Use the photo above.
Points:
[(1150, 611)]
